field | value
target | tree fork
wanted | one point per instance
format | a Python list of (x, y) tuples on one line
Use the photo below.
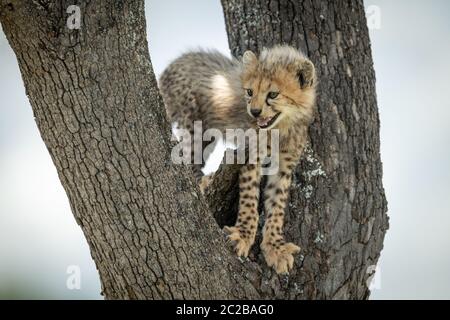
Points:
[(150, 232), (337, 210)]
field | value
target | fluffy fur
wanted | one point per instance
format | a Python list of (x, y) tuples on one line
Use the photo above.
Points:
[(275, 90)]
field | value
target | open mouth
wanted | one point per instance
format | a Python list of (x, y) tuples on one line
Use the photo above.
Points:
[(265, 123)]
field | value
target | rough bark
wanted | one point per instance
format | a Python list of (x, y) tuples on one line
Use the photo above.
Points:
[(96, 104), (150, 232), (337, 211)]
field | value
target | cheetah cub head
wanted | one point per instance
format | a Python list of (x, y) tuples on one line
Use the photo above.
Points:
[(280, 87)]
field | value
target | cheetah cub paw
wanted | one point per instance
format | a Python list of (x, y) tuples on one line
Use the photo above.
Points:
[(280, 257), (241, 239)]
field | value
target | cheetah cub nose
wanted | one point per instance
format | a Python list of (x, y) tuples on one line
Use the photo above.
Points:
[(255, 112)]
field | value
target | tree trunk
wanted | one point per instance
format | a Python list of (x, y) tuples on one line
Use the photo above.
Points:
[(95, 100), (337, 210), (151, 233)]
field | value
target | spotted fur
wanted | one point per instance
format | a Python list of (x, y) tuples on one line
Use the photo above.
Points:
[(275, 90)]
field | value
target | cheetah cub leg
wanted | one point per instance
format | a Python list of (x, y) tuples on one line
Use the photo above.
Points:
[(278, 253), (244, 232)]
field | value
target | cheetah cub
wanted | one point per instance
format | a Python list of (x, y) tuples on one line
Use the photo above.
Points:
[(275, 90)]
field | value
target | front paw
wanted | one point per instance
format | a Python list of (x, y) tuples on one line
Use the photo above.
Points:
[(280, 257), (241, 239)]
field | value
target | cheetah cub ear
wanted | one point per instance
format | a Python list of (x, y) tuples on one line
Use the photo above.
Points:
[(249, 59), (306, 74)]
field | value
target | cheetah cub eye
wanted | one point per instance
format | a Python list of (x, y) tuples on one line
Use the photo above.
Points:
[(273, 95)]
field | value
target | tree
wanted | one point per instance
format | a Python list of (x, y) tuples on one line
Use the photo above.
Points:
[(150, 231), (338, 211)]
